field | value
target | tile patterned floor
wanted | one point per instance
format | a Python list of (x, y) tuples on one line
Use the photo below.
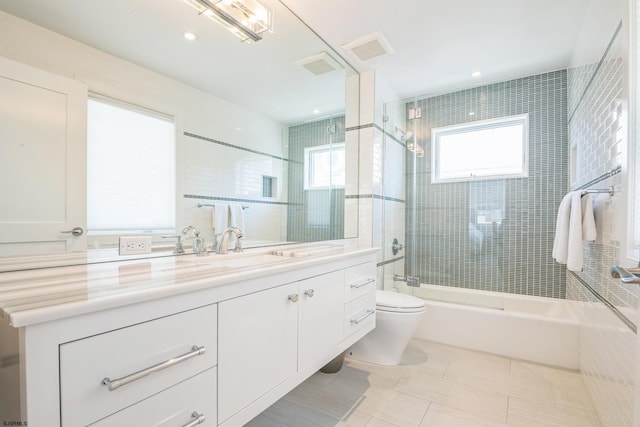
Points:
[(437, 386)]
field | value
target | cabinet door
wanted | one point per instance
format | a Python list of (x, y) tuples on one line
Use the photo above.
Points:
[(257, 346), (321, 316), (42, 160)]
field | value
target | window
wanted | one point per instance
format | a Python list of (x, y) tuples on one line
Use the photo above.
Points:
[(130, 170), (487, 149), (324, 167)]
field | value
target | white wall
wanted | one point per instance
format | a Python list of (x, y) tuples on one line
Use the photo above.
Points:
[(203, 168), (382, 175), (598, 81)]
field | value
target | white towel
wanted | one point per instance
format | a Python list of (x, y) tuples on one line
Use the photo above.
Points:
[(589, 233), (575, 224), (220, 218), (600, 204), (561, 240), (237, 217)]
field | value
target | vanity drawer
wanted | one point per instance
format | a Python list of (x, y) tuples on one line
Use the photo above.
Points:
[(179, 405), (359, 280), (140, 360), (360, 313)]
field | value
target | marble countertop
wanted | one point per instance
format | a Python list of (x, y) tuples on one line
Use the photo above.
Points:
[(46, 294)]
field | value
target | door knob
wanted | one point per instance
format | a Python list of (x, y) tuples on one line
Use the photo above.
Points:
[(293, 297), (76, 231), (309, 293)]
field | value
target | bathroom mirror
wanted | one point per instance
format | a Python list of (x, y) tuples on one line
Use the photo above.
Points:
[(251, 120)]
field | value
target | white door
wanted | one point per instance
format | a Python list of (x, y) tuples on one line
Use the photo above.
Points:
[(42, 161)]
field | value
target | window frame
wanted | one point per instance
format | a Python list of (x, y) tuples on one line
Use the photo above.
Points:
[(307, 165), (479, 125)]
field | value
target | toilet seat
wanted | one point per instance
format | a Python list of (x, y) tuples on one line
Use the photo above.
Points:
[(398, 303)]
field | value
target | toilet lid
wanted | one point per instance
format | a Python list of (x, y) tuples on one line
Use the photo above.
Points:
[(397, 302)]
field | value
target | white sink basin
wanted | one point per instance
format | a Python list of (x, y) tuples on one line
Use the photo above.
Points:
[(235, 261), (310, 251)]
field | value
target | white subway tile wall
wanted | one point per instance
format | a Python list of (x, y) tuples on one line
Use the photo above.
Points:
[(597, 134)]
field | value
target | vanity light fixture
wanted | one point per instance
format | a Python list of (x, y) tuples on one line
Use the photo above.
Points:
[(246, 19)]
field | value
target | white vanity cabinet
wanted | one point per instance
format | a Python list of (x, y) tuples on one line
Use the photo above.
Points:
[(103, 374), (146, 346), (267, 337)]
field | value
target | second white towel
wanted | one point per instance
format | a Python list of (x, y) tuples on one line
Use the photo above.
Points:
[(220, 218), (575, 224)]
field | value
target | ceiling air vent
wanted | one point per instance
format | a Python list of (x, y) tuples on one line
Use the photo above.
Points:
[(369, 46), (319, 63)]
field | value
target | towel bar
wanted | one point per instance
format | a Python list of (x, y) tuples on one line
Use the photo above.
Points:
[(202, 205), (610, 190)]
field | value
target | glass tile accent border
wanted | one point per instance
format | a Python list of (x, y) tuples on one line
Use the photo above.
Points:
[(237, 147)]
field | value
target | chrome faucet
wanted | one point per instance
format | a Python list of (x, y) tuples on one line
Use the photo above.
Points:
[(224, 240), (199, 246)]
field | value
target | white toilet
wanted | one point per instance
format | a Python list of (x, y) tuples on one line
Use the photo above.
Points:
[(397, 318)]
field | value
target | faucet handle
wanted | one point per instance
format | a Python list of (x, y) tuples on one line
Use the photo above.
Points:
[(238, 247), (179, 248)]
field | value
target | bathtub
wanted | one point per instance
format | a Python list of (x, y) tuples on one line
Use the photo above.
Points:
[(536, 329)]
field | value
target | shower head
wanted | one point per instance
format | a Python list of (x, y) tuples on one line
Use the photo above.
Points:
[(403, 135), (406, 136)]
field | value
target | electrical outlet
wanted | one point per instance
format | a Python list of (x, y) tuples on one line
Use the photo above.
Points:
[(135, 245)]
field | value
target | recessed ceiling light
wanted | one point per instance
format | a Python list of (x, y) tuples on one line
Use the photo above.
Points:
[(316, 111), (476, 74), (189, 36)]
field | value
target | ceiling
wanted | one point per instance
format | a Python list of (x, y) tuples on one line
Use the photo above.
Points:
[(438, 44)]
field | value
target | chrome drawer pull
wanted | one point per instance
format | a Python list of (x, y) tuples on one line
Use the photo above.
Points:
[(199, 419), (364, 316), (361, 284), (114, 384)]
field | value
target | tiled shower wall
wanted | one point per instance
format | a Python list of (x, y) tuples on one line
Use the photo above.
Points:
[(598, 99), (453, 242), (313, 214)]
